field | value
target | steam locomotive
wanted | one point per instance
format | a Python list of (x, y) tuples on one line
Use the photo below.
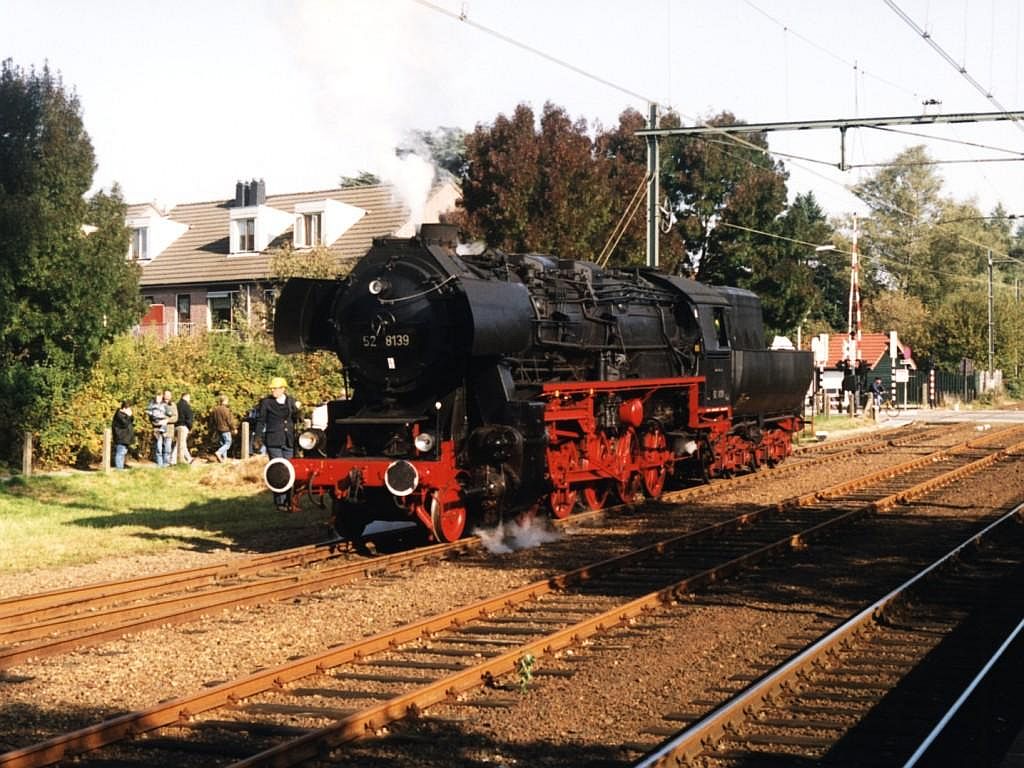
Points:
[(481, 387)]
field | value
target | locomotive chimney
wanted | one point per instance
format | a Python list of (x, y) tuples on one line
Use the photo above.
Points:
[(444, 235)]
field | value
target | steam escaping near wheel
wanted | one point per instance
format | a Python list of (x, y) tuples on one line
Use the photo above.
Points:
[(515, 535)]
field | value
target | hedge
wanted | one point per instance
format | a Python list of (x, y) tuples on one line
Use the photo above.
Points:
[(136, 368)]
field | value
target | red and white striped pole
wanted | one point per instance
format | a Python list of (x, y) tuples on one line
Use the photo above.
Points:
[(853, 318), (853, 315)]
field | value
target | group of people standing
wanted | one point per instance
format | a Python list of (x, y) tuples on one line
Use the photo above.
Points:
[(166, 418), (275, 427)]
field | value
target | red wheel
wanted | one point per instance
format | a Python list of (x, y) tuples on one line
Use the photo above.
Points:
[(561, 462), (627, 483), (596, 492), (654, 448), (563, 502), (447, 515), (595, 495)]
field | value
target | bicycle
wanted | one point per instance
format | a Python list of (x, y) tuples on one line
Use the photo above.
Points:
[(891, 408)]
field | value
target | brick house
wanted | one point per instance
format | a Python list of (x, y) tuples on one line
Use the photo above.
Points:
[(203, 262)]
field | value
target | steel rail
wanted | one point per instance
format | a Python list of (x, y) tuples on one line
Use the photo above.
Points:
[(179, 609), (874, 444), (52, 603), (311, 745), (690, 742), (180, 710), (90, 595), (115, 623), (978, 679), (26, 609)]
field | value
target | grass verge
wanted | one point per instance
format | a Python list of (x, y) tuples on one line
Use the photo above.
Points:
[(80, 517)]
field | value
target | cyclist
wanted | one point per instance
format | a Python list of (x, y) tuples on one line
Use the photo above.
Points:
[(876, 392)]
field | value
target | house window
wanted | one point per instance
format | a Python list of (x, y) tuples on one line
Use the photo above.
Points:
[(220, 305), (139, 247), (269, 301), (246, 235), (311, 227), (184, 308)]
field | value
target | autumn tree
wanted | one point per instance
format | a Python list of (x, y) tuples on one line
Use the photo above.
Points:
[(287, 262), (894, 310), (66, 287), (547, 186), (918, 240)]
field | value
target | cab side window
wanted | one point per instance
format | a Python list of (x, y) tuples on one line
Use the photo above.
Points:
[(721, 332)]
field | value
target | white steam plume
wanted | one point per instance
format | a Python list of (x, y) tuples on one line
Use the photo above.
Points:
[(365, 80), (518, 534)]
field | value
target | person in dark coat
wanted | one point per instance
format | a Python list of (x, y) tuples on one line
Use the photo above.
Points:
[(186, 418), (123, 427), (275, 426)]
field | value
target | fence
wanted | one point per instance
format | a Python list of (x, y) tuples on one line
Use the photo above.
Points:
[(106, 463), (932, 388)]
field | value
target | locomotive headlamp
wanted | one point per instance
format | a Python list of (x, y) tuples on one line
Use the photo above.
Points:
[(310, 439), (279, 475), (377, 286), (424, 441), (401, 477)]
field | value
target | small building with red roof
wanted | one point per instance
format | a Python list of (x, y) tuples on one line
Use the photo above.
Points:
[(879, 350)]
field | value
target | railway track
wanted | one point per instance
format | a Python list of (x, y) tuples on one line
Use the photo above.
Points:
[(44, 625), (358, 688), (881, 682)]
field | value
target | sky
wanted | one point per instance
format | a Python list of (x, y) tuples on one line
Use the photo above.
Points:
[(183, 99)]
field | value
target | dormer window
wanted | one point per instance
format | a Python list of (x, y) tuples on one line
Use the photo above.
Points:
[(309, 231), (245, 238), (151, 233), (253, 224), (322, 222), (139, 249)]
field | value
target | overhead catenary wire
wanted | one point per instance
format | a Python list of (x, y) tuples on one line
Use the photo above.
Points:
[(961, 142), (961, 68), (462, 17), (788, 28), (624, 221), (883, 260), (729, 136)]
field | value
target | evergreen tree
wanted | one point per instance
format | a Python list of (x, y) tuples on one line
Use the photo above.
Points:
[(447, 148), (713, 182), (797, 283), (66, 287)]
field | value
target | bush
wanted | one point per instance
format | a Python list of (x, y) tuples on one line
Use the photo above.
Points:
[(135, 368)]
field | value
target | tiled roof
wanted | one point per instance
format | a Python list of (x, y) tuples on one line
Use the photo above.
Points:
[(201, 255), (872, 347)]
